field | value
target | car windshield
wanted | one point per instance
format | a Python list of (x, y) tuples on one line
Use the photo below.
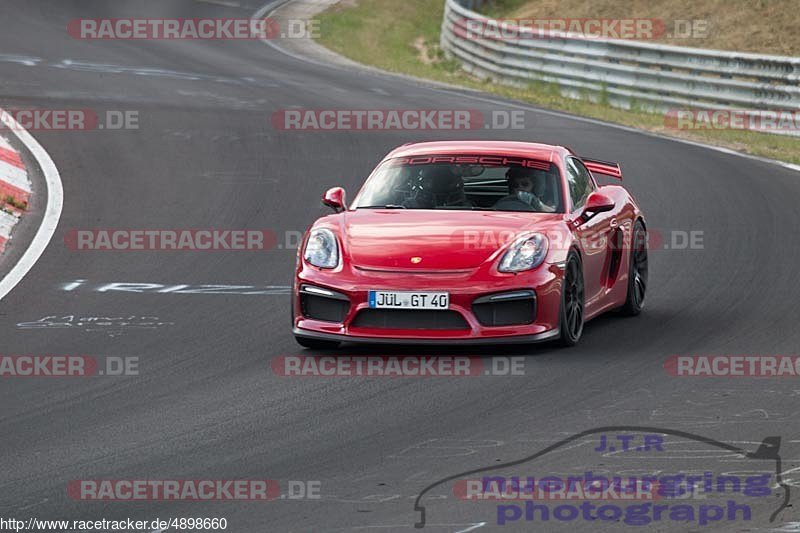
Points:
[(492, 183)]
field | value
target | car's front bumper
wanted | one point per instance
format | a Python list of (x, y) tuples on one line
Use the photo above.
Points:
[(465, 288), (513, 339)]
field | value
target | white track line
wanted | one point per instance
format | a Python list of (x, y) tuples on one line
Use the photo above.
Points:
[(55, 201)]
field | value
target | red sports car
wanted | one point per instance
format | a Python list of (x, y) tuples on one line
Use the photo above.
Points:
[(471, 242)]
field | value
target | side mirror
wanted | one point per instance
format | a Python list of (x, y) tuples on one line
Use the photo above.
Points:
[(596, 203), (334, 198)]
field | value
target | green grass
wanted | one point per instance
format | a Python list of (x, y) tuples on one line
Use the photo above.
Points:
[(395, 36), (500, 8)]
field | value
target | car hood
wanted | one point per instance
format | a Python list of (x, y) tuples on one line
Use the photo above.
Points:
[(425, 240)]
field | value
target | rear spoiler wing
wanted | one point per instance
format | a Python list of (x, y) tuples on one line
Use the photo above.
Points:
[(606, 168)]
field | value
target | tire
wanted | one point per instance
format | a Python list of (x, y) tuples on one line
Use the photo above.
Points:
[(316, 344), (637, 272), (572, 302)]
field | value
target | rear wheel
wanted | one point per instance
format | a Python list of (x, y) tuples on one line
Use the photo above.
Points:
[(637, 275), (572, 302), (316, 344)]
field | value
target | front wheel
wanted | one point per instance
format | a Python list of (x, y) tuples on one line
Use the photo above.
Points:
[(637, 273), (572, 302)]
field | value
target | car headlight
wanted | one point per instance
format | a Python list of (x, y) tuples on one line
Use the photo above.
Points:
[(526, 253), (322, 250)]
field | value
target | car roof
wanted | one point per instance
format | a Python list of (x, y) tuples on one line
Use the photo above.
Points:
[(545, 152)]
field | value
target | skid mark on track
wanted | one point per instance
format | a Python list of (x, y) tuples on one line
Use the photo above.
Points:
[(446, 448), (789, 526), (708, 407)]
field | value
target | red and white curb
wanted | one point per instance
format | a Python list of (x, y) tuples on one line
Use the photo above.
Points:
[(16, 181), (15, 190)]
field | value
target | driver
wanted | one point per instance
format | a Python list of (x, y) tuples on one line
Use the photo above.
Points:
[(436, 185), (527, 189)]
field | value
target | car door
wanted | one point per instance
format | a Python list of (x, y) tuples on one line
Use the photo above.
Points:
[(593, 234)]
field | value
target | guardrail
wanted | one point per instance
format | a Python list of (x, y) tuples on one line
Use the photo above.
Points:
[(623, 73)]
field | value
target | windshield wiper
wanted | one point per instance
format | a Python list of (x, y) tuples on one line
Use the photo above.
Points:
[(387, 206)]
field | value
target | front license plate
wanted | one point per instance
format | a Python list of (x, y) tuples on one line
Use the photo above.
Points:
[(409, 300)]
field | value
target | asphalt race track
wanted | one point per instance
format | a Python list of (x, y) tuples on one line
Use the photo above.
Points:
[(206, 403)]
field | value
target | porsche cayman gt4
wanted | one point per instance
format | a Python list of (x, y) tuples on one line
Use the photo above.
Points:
[(471, 242)]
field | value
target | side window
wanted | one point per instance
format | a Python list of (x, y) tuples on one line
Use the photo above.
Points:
[(580, 182)]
